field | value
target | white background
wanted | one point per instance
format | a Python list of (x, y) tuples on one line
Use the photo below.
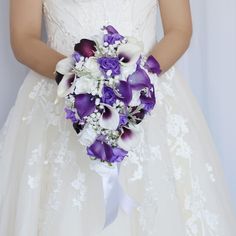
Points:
[(209, 66)]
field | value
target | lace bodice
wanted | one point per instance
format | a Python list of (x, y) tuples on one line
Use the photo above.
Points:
[(69, 21)]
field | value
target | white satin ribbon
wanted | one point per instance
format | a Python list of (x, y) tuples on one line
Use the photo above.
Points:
[(114, 195)]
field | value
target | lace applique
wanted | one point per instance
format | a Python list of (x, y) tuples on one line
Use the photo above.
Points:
[(79, 186), (210, 171), (202, 221), (33, 182), (143, 153), (44, 94), (149, 208)]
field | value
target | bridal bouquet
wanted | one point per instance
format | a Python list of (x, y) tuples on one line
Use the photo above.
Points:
[(108, 90)]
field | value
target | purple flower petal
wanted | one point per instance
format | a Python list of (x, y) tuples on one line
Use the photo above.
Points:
[(124, 89), (76, 56), (139, 116), (152, 65), (100, 150), (108, 95), (78, 127), (148, 100), (84, 104), (118, 155), (123, 120), (71, 115), (85, 47), (109, 63), (139, 79), (110, 29), (112, 35)]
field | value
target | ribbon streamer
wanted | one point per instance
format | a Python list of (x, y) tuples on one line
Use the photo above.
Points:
[(114, 195)]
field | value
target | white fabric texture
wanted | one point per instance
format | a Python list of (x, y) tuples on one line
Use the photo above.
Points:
[(47, 188)]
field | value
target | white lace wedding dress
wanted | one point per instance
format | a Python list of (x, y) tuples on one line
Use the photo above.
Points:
[(46, 185)]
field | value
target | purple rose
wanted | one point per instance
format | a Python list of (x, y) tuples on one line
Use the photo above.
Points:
[(108, 95), (109, 63), (86, 48)]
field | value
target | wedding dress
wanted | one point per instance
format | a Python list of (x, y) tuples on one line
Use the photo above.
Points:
[(174, 174)]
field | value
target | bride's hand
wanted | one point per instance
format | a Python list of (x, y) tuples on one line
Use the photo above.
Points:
[(25, 31), (177, 25)]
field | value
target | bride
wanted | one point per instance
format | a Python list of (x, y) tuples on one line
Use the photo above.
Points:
[(173, 175)]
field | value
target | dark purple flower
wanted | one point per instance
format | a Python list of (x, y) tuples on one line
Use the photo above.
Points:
[(123, 119), (78, 127), (148, 100), (109, 63), (138, 115), (86, 48), (112, 35), (125, 91), (152, 65), (103, 151), (76, 56), (108, 95), (71, 115), (139, 79), (84, 104)]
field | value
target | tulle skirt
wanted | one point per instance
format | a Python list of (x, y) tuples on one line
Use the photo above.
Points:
[(174, 174)]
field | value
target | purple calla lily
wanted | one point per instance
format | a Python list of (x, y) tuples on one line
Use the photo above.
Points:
[(78, 127), (139, 116), (148, 100), (86, 48), (84, 104), (101, 150), (129, 138), (110, 29), (112, 35), (152, 65), (125, 92), (139, 79), (110, 118), (66, 85)]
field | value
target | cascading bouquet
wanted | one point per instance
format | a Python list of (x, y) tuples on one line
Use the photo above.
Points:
[(108, 86), (108, 91)]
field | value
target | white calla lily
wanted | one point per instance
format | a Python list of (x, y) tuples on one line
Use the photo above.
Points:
[(65, 65), (129, 53), (66, 85), (130, 138), (110, 118)]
